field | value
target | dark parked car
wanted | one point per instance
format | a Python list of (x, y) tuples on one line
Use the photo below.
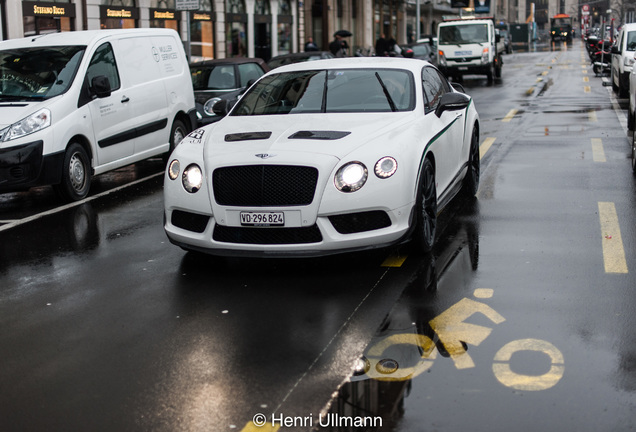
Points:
[(422, 51), (286, 59), (214, 80)]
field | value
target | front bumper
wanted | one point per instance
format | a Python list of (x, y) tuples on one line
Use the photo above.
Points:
[(332, 234), (25, 166), (465, 69)]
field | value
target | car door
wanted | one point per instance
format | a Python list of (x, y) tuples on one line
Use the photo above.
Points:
[(111, 116), (448, 129)]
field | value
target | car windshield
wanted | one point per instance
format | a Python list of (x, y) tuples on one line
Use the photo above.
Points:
[(465, 33), (38, 73), (217, 77), (330, 91)]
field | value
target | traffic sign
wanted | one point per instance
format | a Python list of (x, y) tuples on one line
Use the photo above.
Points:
[(187, 5)]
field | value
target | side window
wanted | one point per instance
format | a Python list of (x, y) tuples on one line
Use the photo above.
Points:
[(103, 63), (222, 78), (434, 88), (249, 71)]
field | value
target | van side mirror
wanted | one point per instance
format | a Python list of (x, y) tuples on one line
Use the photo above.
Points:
[(452, 102), (100, 86)]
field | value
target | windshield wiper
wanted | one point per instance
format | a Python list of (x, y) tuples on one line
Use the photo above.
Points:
[(386, 93)]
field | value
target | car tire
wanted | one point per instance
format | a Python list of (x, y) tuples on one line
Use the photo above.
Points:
[(471, 181), (76, 174), (630, 119), (623, 87), (426, 210)]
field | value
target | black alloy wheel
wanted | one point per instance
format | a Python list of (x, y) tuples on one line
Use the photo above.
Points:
[(424, 236)]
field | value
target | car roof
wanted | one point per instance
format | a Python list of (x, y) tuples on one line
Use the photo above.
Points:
[(414, 65), (84, 38), (300, 54)]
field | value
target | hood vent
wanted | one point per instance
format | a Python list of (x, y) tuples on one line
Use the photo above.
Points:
[(247, 136), (319, 135)]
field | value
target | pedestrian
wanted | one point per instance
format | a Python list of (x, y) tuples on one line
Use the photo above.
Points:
[(382, 46), (310, 45), (338, 46)]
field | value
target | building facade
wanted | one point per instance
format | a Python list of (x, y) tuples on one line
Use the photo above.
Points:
[(265, 28)]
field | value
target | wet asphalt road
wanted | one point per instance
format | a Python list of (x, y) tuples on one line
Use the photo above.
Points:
[(522, 319)]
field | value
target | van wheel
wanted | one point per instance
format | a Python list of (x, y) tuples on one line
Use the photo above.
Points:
[(76, 176), (177, 133)]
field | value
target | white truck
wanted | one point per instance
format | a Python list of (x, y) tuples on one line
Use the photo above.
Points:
[(469, 46)]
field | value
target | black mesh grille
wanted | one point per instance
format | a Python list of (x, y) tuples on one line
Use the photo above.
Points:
[(264, 236), (264, 185), (360, 222), (189, 221)]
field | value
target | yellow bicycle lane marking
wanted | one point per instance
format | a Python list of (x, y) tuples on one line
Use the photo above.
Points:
[(613, 250)]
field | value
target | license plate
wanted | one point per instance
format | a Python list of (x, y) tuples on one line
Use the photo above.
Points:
[(463, 68), (262, 218), (463, 53)]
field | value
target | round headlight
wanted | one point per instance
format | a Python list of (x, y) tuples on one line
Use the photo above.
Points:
[(385, 167), (192, 178), (209, 106), (173, 169), (351, 177)]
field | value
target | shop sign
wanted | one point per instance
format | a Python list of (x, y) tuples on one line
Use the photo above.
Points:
[(201, 16), (48, 9), (162, 14), (118, 12)]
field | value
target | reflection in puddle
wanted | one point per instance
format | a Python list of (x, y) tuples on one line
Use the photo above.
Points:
[(405, 345)]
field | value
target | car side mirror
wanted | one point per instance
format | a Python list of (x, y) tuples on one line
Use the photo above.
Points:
[(615, 50), (100, 86), (452, 102), (221, 108)]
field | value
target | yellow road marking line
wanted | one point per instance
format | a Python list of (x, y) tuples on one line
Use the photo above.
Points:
[(584, 72), (485, 146), (529, 91), (586, 79), (544, 73), (613, 251), (591, 114), (510, 115), (394, 261), (598, 153), (260, 427), (587, 89)]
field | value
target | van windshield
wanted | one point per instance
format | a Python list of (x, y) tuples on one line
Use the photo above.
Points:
[(38, 73), (463, 34)]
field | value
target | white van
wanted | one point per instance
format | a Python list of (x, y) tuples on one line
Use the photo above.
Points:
[(78, 104), (623, 59)]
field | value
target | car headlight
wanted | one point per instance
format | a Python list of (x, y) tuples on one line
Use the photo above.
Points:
[(385, 167), (351, 177), (192, 178), (173, 169), (37, 121), (209, 105)]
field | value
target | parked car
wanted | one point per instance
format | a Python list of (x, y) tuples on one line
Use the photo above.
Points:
[(214, 80), (623, 59), (300, 57), (422, 51), (325, 157), (86, 102)]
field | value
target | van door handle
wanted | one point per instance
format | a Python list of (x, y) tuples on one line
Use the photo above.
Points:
[(125, 99)]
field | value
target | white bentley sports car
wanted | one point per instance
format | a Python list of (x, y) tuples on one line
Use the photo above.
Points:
[(325, 157)]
